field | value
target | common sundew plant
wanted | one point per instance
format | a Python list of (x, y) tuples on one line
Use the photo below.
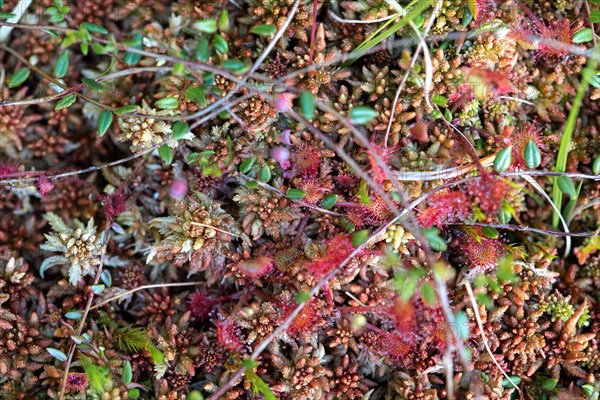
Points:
[(299, 199)]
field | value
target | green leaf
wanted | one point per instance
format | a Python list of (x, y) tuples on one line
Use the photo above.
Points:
[(94, 28), (167, 103), (329, 201), (180, 129), (360, 237), (136, 43), (223, 22), (435, 240), (97, 376), (439, 100), (363, 193), (6, 15), (133, 393), (596, 165), (92, 84), (566, 139), (566, 186), (196, 94), (65, 102), (295, 194), (307, 104), (302, 297), (362, 115), (506, 383), (533, 157), (428, 293), (490, 232), (548, 384), (129, 108), (462, 324), (202, 52), (264, 173), (472, 4), (583, 36), (127, 373), (59, 355), (258, 385), (166, 153), (246, 165), (104, 121), (503, 159), (157, 356), (206, 26), (76, 314), (594, 78), (595, 17), (467, 17), (237, 66), (97, 289), (504, 214), (18, 77), (264, 30), (220, 44), (62, 64)]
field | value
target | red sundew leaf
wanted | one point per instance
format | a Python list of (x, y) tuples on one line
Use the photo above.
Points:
[(44, 185)]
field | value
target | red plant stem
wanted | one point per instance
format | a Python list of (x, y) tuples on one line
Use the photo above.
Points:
[(365, 309)]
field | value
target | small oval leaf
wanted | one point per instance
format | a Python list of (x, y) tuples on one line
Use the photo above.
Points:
[(220, 44), (567, 187), (59, 355), (206, 26), (246, 165), (264, 29), (583, 36), (129, 108), (329, 201), (596, 165), (295, 194), (104, 121), (18, 77), (92, 84), (360, 237), (503, 159), (490, 232), (94, 28), (180, 129), (307, 104), (362, 115), (76, 314), (166, 153), (167, 103), (62, 64), (533, 157), (97, 289), (127, 373), (65, 102), (265, 173)]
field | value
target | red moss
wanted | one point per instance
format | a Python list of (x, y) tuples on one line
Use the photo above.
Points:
[(76, 382), (8, 169), (338, 248), (44, 185), (377, 171), (481, 252), (445, 207), (201, 304), (398, 346), (114, 205), (305, 321), (229, 334), (314, 190), (306, 160), (488, 193)]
